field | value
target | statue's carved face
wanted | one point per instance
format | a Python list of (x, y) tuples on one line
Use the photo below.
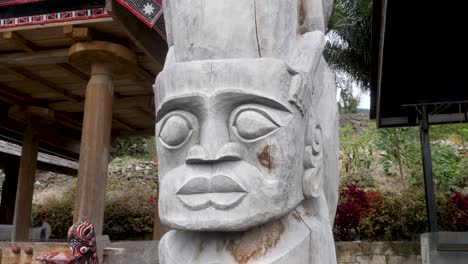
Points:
[(230, 144)]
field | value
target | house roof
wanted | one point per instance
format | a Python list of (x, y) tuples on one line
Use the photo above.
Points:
[(35, 71)]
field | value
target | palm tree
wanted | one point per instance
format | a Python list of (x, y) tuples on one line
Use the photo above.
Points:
[(349, 40)]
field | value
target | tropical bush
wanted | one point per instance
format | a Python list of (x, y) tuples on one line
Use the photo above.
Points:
[(129, 216), (134, 146), (371, 215)]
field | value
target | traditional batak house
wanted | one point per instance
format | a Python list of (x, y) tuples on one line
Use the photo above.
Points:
[(73, 76)]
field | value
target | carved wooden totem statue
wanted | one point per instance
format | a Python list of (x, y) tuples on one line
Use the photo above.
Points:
[(246, 133)]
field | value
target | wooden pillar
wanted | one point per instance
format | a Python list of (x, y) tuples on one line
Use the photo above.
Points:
[(94, 152), (7, 207), (35, 117), (25, 189), (102, 60)]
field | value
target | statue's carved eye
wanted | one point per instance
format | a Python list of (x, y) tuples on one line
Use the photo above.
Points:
[(251, 124), (83, 250), (175, 130)]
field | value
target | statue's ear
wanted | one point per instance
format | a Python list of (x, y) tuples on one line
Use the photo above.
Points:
[(313, 163), (304, 61)]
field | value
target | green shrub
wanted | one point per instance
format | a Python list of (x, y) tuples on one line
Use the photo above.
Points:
[(134, 146), (130, 216), (126, 217), (454, 213), (58, 213), (370, 215), (356, 154), (398, 217)]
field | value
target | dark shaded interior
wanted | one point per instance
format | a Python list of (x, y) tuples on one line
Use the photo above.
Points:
[(418, 58)]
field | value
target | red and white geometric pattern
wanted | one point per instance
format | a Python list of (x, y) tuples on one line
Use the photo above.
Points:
[(16, 2), (54, 18), (149, 12)]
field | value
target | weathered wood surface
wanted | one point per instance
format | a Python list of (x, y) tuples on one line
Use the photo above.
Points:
[(38, 249), (24, 194), (104, 60), (7, 256), (94, 155)]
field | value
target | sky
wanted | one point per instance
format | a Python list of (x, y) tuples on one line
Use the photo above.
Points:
[(365, 98), (357, 92)]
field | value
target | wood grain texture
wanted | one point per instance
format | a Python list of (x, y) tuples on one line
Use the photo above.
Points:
[(24, 194), (94, 154)]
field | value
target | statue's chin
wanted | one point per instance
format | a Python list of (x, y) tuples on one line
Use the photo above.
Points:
[(240, 218)]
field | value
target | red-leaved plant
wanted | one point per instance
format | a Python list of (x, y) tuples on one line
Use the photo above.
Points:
[(354, 206), (457, 210)]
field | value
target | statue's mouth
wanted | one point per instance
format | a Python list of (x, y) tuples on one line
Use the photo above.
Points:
[(220, 192)]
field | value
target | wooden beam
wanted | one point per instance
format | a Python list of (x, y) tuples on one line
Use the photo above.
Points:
[(68, 30), (66, 106), (138, 132), (61, 142), (143, 110), (79, 33), (74, 71), (147, 78), (44, 82), (45, 57), (68, 121), (123, 124), (11, 96), (147, 39), (134, 102), (67, 150), (25, 44), (59, 24)]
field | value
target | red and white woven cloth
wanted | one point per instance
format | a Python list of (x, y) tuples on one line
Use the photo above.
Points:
[(16, 2), (149, 12)]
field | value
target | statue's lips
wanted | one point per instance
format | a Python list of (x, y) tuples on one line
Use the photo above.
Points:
[(220, 192)]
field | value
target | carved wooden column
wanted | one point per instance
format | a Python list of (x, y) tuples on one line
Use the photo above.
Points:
[(103, 60), (34, 117)]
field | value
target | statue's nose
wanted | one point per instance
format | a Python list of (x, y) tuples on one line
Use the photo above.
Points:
[(214, 143), (231, 151)]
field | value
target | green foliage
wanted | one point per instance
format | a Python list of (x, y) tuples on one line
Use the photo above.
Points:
[(144, 147), (448, 171), (454, 213), (398, 217), (356, 154), (126, 217), (391, 217), (399, 150), (58, 213), (349, 45), (459, 132), (130, 216), (348, 103)]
